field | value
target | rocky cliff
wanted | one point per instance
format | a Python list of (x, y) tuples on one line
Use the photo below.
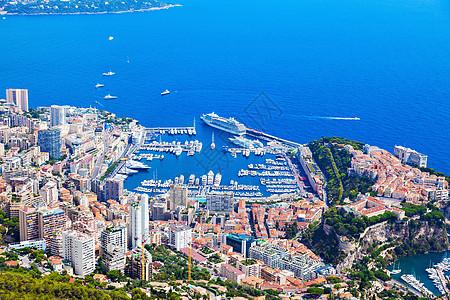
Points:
[(413, 237)]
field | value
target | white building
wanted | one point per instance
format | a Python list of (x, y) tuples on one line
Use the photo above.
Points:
[(18, 97), (217, 201), (114, 247), (139, 219), (180, 236), (39, 244), (410, 156), (79, 249), (49, 192), (57, 115), (177, 196)]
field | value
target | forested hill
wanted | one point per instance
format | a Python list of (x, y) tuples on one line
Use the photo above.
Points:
[(334, 160)]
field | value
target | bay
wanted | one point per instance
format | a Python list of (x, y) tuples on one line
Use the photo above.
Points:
[(386, 62)]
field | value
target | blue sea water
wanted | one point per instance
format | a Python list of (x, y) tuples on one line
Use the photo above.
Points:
[(384, 61)]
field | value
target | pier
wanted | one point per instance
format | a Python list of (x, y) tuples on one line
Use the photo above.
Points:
[(294, 171), (172, 130), (268, 138)]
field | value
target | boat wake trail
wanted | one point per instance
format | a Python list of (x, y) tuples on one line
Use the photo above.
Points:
[(334, 118)]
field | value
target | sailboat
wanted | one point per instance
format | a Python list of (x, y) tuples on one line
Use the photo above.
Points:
[(395, 271), (212, 143)]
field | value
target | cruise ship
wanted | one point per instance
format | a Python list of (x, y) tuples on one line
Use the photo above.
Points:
[(109, 97), (229, 125)]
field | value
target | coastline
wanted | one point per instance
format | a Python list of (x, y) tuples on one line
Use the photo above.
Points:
[(97, 13)]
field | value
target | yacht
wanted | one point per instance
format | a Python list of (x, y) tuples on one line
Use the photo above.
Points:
[(217, 179), (204, 179), (212, 143), (210, 177), (166, 92), (110, 73), (109, 97), (111, 38), (178, 151), (99, 85)]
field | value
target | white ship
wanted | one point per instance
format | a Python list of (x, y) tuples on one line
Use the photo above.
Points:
[(111, 38), (204, 179), (181, 179), (210, 177), (191, 179), (132, 164), (218, 179), (212, 143), (229, 125), (110, 73), (166, 92), (109, 97), (178, 151), (99, 85)]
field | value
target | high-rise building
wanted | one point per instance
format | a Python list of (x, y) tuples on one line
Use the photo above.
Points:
[(50, 141), (177, 196), (114, 247), (219, 201), (158, 210), (51, 221), (28, 224), (18, 97), (180, 236), (41, 223), (79, 249), (240, 242), (134, 268), (139, 219), (57, 115), (113, 189)]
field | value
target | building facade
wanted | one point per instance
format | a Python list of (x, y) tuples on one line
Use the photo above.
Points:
[(179, 236), (114, 246), (177, 196), (139, 220), (216, 201), (18, 97), (79, 249), (57, 115), (50, 141)]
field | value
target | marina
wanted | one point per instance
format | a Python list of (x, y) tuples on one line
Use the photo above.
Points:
[(269, 169), (430, 269), (416, 284)]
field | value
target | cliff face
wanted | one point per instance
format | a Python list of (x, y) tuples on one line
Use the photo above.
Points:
[(414, 236)]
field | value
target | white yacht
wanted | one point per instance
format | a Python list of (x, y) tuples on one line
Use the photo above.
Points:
[(110, 73), (166, 92), (178, 151), (99, 85), (109, 97)]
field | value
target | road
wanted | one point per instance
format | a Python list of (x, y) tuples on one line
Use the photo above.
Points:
[(106, 141)]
